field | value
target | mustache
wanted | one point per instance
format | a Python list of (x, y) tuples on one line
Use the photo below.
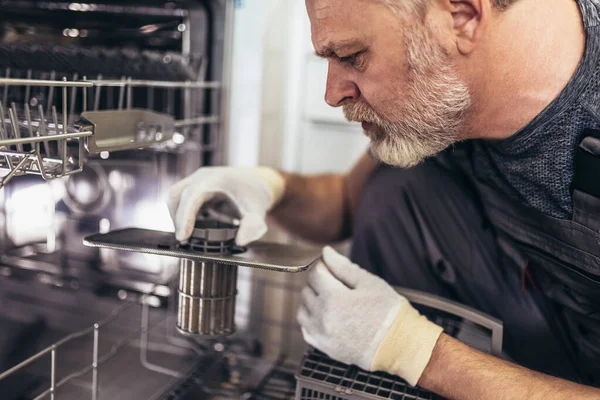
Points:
[(359, 112)]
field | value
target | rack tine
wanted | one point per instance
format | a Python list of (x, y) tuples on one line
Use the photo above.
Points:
[(64, 107), (28, 117), (150, 98), (55, 120), (121, 93), (28, 87), (170, 101), (5, 96), (43, 129), (57, 132), (73, 100), (63, 142), (85, 93), (3, 131), (12, 113), (97, 95), (129, 94), (51, 94)]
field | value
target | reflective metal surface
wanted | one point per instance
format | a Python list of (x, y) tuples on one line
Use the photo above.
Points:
[(207, 294), (207, 290), (264, 255), (127, 129)]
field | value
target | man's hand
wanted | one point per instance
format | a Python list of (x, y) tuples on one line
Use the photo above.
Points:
[(357, 318), (254, 191)]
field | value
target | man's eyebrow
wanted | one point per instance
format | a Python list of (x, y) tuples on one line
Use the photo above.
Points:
[(333, 49)]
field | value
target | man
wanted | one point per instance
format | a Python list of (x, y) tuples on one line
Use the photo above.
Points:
[(484, 105)]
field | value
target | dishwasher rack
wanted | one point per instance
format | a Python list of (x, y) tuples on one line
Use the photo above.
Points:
[(233, 367), (320, 377), (51, 142)]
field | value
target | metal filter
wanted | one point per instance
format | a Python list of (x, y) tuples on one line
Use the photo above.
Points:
[(207, 290), (208, 268)]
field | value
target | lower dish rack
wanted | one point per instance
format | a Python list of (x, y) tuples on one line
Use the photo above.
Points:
[(100, 348)]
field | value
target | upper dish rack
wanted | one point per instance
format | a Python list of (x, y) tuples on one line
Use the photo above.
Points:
[(53, 141)]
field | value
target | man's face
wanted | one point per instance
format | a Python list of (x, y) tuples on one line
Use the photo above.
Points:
[(389, 72)]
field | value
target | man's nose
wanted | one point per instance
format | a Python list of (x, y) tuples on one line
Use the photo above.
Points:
[(340, 90)]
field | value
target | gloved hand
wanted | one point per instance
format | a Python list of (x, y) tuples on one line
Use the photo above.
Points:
[(355, 317), (254, 191)]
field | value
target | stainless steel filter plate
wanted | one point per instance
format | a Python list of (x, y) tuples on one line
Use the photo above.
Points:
[(272, 256)]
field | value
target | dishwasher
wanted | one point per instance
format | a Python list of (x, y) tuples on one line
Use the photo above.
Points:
[(103, 107)]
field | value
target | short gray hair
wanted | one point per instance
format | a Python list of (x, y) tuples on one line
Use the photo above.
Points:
[(418, 6)]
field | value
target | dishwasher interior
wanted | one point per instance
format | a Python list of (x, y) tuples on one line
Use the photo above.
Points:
[(109, 315)]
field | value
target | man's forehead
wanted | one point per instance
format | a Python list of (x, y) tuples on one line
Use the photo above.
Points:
[(336, 24), (328, 11)]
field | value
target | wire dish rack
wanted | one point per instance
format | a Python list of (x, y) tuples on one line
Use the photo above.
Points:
[(320, 377), (48, 127), (135, 353)]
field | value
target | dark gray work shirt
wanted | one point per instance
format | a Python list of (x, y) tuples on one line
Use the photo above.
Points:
[(536, 165)]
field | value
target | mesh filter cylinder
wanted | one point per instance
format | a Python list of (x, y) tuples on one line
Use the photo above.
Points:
[(207, 290), (207, 293)]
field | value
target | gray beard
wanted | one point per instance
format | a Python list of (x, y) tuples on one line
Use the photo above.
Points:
[(434, 108)]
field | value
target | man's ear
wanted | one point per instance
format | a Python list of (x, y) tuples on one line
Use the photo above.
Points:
[(470, 19)]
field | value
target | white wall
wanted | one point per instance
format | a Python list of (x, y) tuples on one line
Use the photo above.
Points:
[(245, 108), (299, 131)]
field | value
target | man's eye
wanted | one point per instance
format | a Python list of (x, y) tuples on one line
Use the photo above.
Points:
[(353, 60)]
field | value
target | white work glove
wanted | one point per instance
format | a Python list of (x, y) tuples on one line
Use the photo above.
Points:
[(357, 318), (254, 191)]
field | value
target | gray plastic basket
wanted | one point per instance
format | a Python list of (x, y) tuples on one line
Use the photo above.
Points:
[(320, 377)]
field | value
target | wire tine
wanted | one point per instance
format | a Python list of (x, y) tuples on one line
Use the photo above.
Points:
[(150, 98), (39, 160), (64, 107), (170, 101), (97, 95), (73, 101), (56, 132), (64, 156), (43, 129), (51, 94), (28, 87), (55, 120), (63, 142), (28, 117), (5, 96), (12, 113), (3, 132), (129, 94), (85, 93), (121, 94), (81, 153)]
